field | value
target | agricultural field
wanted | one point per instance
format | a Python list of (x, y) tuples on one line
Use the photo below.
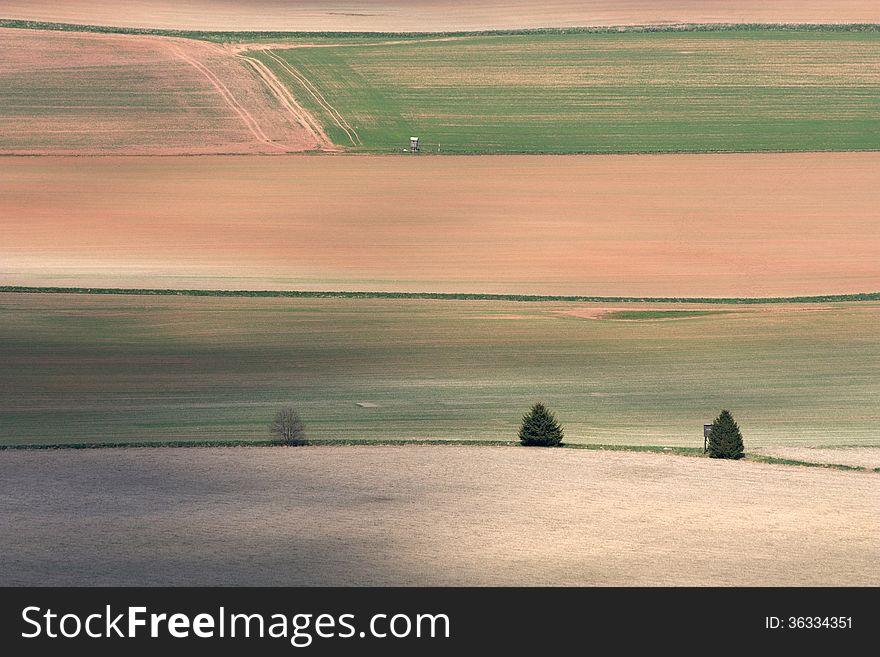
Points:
[(629, 92), (672, 225), (430, 15), (638, 212), (448, 515), (97, 368), (82, 93), (703, 90)]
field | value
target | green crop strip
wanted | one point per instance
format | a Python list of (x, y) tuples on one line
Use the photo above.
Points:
[(658, 314), (228, 36), (440, 296), (665, 91)]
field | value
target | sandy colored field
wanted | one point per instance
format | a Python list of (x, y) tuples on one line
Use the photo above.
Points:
[(432, 15), (84, 93), (672, 225), (429, 516), (865, 457), (119, 368)]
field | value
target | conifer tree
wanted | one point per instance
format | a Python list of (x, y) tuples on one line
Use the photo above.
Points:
[(539, 427), (725, 439)]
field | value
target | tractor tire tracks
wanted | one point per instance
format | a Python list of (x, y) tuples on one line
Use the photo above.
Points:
[(289, 102), (331, 111), (246, 116)]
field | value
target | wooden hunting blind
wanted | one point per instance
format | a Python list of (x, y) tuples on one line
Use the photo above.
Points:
[(414, 144)]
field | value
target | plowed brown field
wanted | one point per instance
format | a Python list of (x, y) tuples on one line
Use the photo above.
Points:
[(83, 93), (667, 225), (432, 15)]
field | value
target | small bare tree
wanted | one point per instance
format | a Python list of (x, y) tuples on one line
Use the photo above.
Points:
[(288, 426)]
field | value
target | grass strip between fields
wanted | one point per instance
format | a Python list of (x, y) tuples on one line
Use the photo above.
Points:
[(440, 296), (229, 36), (693, 452)]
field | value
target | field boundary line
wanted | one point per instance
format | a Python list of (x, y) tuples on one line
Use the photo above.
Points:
[(334, 114), (256, 46), (232, 36), (438, 296), (688, 452)]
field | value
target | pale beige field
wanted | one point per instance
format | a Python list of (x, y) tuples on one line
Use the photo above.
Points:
[(432, 15), (429, 516), (667, 225), (83, 93)]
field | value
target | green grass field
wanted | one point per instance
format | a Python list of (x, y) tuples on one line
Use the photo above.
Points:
[(694, 91), (659, 314), (98, 368)]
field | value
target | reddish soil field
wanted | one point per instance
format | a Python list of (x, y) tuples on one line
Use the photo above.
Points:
[(432, 15), (665, 225), (81, 93)]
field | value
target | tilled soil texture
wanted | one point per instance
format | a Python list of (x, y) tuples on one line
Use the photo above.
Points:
[(83, 94), (432, 15), (672, 225), (429, 516)]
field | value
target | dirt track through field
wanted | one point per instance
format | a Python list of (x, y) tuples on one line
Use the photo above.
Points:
[(669, 225), (252, 125), (332, 112), (282, 93), (429, 516), (432, 15), (85, 94)]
